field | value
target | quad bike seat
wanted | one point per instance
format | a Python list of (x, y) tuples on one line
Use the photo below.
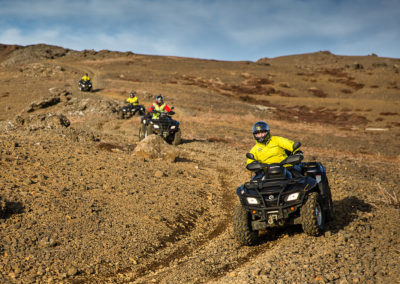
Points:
[(311, 168)]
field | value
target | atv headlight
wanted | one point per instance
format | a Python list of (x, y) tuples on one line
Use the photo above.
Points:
[(252, 200), (156, 126), (173, 127), (292, 196)]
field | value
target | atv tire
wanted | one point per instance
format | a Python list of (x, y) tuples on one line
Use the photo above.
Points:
[(149, 130), (312, 215), (177, 138), (330, 212), (142, 132), (242, 230)]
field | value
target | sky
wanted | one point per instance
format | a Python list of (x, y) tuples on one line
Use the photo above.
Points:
[(209, 29)]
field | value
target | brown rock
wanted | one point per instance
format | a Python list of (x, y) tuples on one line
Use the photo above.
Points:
[(153, 147)]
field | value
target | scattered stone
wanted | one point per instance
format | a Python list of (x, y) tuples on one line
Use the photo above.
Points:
[(158, 174), (71, 271)]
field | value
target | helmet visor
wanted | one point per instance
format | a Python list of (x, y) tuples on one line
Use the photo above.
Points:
[(260, 134)]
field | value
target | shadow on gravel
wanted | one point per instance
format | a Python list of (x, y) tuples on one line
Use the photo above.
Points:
[(277, 233), (346, 211), (11, 208), (186, 141), (182, 160), (96, 90)]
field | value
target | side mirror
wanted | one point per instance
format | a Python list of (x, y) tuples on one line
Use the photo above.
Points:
[(250, 156), (296, 145)]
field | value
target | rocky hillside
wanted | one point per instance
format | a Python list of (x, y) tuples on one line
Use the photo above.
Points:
[(82, 200)]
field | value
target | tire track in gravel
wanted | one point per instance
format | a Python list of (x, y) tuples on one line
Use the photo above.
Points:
[(187, 249), (97, 77), (191, 261)]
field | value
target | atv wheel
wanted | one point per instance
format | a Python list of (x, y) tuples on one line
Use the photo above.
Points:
[(142, 132), (177, 138), (242, 230), (313, 217), (122, 114), (330, 212), (149, 130)]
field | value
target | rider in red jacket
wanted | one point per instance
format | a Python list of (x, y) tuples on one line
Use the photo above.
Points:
[(160, 106)]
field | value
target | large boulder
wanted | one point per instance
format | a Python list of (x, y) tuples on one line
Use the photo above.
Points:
[(153, 147)]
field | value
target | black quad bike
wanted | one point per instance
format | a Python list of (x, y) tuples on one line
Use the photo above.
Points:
[(85, 86), (277, 196), (129, 110), (164, 126)]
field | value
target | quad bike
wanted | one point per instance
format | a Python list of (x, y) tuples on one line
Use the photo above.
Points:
[(85, 86), (277, 197), (164, 126), (130, 110)]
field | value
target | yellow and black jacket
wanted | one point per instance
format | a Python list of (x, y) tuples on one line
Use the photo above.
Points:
[(273, 151), (134, 101)]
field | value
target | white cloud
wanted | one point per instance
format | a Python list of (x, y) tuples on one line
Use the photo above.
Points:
[(226, 29)]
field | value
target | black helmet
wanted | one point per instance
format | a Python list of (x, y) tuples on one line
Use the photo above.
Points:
[(87, 74), (159, 99), (261, 127), (132, 94)]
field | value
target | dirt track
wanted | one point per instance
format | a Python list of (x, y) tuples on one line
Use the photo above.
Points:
[(80, 206)]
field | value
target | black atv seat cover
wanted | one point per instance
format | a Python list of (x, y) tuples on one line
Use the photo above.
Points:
[(274, 169), (312, 168)]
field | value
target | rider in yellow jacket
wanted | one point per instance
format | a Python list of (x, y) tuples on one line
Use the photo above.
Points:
[(85, 77), (269, 149), (133, 100)]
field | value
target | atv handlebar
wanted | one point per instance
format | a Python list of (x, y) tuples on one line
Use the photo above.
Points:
[(161, 112)]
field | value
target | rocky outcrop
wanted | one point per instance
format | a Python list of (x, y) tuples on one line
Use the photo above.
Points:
[(43, 121), (153, 147)]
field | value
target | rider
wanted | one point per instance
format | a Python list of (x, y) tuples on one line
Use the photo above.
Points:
[(270, 149), (85, 77), (133, 100), (159, 106)]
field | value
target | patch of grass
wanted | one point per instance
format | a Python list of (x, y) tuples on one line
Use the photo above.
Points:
[(387, 198)]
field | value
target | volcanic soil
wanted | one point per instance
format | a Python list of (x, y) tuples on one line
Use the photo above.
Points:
[(83, 201)]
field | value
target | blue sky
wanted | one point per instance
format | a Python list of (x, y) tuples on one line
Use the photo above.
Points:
[(222, 30)]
